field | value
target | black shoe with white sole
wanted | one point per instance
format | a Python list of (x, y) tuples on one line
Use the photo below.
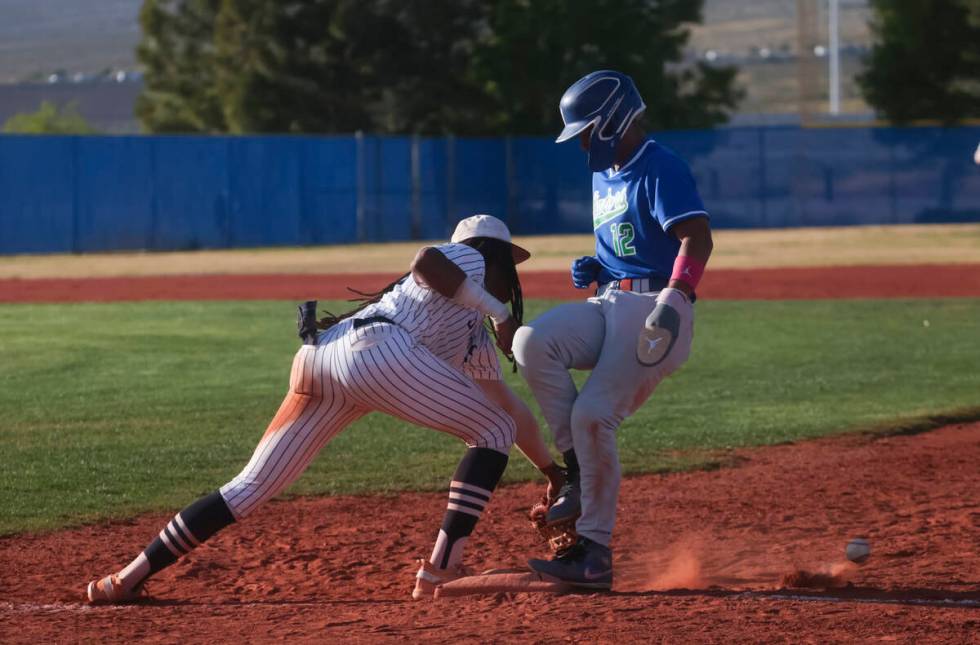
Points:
[(586, 564)]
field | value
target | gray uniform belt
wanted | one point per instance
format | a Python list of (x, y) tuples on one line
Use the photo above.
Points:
[(637, 285)]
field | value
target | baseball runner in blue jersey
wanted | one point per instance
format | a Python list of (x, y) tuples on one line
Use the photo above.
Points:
[(652, 241), (419, 351)]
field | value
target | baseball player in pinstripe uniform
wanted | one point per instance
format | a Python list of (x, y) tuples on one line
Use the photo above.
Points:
[(652, 243), (419, 351)]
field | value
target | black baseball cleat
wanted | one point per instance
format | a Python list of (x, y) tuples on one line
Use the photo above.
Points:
[(568, 504), (586, 564)]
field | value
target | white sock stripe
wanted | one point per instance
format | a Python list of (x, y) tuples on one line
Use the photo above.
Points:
[(484, 499), (470, 487), (463, 509), (181, 544), (468, 498), (187, 533), (166, 542), (461, 504), (174, 540)]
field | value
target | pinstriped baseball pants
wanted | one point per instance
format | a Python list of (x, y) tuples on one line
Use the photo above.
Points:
[(377, 367)]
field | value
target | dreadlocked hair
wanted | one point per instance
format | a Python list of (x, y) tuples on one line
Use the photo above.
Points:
[(365, 299), (495, 253), (500, 254)]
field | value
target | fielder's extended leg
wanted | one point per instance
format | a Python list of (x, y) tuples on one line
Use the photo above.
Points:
[(186, 531), (473, 484), (313, 412), (421, 388)]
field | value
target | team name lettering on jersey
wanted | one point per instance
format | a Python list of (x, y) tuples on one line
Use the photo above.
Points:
[(608, 207)]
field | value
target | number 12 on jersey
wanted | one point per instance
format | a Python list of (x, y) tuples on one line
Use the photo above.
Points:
[(622, 238)]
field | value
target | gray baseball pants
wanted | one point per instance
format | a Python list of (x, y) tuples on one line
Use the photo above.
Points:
[(599, 335)]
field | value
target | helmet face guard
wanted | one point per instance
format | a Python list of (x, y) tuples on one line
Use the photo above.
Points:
[(609, 102)]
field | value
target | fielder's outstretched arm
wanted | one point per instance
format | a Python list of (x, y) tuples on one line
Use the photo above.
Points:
[(434, 270), (529, 440)]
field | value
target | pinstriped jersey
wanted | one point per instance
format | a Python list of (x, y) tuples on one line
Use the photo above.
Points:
[(482, 362), (449, 330)]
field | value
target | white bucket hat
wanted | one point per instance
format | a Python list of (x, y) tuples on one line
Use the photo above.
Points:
[(488, 226)]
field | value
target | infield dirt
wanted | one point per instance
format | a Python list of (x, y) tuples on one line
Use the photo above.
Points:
[(699, 556), (799, 283)]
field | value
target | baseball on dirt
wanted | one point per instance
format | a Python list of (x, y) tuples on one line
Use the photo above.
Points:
[(858, 550)]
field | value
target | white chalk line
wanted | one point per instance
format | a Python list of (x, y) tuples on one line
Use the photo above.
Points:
[(57, 607), (34, 607), (930, 602), (81, 607)]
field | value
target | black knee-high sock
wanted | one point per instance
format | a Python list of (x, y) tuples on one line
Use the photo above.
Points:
[(188, 529), (473, 483)]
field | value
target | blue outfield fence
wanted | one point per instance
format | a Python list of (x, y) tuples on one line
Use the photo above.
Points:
[(94, 193)]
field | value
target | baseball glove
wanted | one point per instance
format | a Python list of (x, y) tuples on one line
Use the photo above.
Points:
[(306, 322), (560, 536)]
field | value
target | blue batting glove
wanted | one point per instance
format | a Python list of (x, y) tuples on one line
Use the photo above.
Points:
[(585, 270)]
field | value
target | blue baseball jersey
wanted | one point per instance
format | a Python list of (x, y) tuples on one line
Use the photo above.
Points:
[(633, 209)]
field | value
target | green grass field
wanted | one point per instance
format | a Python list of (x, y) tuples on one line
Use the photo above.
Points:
[(112, 409)]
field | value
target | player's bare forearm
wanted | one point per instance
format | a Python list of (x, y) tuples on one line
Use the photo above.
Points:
[(695, 237), (434, 270), (529, 439)]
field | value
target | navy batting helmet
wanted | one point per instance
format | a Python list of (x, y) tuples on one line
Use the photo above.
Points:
[(606, 100)]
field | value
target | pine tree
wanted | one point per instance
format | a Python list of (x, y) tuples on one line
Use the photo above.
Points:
[(303, 66), (925, 63), (178, 56), (537, 49), (471, 67)]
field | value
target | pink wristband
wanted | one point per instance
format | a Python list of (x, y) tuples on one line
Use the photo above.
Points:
[(688, 270)]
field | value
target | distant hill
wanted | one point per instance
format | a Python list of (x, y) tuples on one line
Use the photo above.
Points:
[(738, 31), (108, 107), (738, 25), (39, 37)]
